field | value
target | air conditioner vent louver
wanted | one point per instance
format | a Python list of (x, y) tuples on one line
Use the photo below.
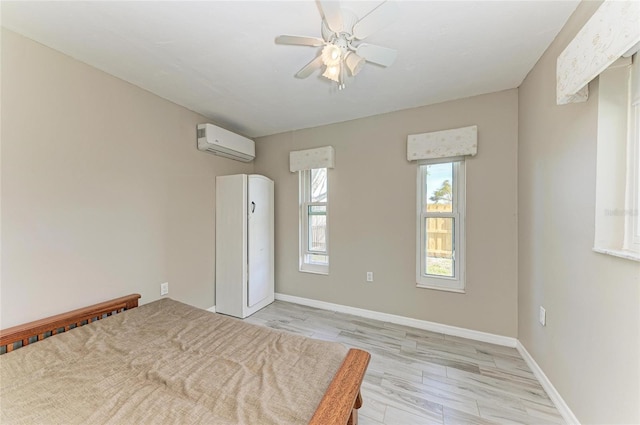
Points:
[(224, 143)]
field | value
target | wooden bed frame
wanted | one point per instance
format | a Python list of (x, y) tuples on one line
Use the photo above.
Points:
[(339, 405)]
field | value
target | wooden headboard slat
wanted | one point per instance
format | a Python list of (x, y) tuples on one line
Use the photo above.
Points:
[(52, 324)]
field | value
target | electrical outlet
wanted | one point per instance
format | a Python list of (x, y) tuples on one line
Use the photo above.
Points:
[(543, 316), (369, 276), (164, 288)]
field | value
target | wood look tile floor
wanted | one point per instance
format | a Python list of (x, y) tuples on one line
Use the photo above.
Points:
[(418, 377)]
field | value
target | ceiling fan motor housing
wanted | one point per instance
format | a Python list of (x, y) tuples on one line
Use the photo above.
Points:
[(343, 38)]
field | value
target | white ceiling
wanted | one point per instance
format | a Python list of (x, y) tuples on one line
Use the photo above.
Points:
[(219, 58)]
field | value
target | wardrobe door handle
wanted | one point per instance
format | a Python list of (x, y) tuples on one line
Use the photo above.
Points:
[(253, 207)]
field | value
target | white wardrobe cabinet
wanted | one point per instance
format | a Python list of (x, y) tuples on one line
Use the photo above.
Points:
[(244, 244)]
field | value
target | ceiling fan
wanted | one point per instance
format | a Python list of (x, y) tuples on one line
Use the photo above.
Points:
[(341, 32)]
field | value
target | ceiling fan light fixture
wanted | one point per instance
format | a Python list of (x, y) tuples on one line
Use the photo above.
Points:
[(354, 63), (332, 72), (331, 55)]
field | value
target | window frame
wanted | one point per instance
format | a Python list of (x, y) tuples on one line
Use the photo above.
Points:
[(617, 225), (443, 283), (305, 202), (632, 197)]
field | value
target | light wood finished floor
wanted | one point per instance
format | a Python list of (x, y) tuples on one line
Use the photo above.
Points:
[(419, 377)]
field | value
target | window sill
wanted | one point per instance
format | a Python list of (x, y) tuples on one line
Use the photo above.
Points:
[(629, 255), (441, 288), (314, 271)]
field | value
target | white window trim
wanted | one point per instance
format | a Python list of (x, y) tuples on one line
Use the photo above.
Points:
[(617, 230), (632, 196), (443, 283), (304, 196)]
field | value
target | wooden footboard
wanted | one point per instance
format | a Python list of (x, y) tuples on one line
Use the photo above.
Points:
[(341, 402), (21, 335)]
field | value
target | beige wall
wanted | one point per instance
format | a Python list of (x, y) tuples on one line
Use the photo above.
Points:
[(372, 214), (590, 348), (103, 190)]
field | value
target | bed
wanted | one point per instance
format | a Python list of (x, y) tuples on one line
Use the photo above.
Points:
[(167, 362)]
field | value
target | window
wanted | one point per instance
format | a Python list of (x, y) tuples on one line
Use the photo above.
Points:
[(314, 249), (440, 240), (617, 219)]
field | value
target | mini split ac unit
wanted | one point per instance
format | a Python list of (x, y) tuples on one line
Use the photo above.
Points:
[(224, 143)]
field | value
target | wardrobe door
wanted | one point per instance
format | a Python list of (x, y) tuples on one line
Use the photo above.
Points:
[(260, 238)]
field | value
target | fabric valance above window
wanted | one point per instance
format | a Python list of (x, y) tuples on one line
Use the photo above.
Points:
[(443, 144), (309, 159), (612, 32)]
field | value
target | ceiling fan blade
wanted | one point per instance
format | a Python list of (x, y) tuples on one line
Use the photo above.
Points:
[(332, 14), (310, 67), (377, 54), (299, 40), (384, 14)]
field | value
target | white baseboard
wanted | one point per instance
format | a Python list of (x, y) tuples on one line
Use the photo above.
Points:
[(554, 395), (212, 309), (402, 320)]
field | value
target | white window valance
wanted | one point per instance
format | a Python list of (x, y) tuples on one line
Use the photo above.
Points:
[(443, 144), (308, 159), (610, 33)]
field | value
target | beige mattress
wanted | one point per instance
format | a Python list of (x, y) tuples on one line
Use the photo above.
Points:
[(167, 362)]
